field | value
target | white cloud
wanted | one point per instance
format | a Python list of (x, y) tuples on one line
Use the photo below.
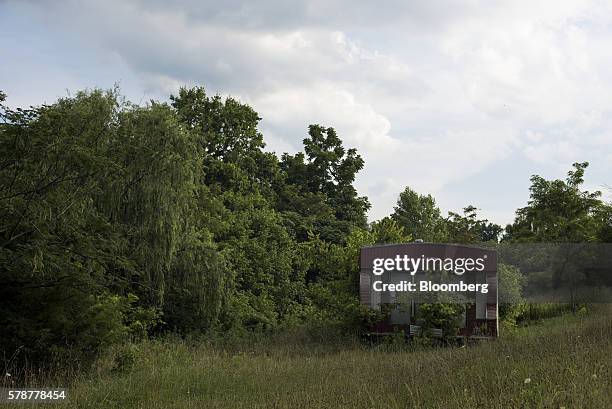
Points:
[(292, 109)]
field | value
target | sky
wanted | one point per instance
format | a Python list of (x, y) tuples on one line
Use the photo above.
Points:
[(461, 99)]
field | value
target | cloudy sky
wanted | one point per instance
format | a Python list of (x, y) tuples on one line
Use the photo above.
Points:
[(461, 99)]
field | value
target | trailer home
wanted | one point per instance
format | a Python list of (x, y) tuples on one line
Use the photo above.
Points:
[(400, 277)]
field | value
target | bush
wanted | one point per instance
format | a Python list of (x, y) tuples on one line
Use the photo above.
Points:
[(511, 301), (444, 316), (63, 325), (539, 311)]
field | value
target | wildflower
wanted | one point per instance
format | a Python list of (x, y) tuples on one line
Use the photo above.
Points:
[(527, 380), (594, 376), (8, 375)]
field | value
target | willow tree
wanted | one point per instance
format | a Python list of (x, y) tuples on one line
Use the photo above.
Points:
[(101, 210), (55, 243), (158, 199)]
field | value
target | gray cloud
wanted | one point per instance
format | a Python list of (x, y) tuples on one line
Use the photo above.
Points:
[(432, 93)]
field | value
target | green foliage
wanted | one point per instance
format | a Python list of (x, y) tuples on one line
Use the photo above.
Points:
[(559, 211), (55, 242), (98, 199), (420, 216), (511, 283), (332, 170), (467, 228), (322, 179), (540, 311), (603, 216), (387, 230), (119, 222), (443, 316)]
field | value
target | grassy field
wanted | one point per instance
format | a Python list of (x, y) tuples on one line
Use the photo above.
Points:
[(562, 362)]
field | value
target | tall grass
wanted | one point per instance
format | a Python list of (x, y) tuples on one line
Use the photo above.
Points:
[(538, 311), (560, 362)]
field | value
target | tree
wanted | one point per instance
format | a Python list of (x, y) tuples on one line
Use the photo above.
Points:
[(264, 266), (227, 129), (603, 216), (558, 211), (468, 228), (387, 230), (511, 284), (326, 168), (56, 246), (101, 214), (420, 216)]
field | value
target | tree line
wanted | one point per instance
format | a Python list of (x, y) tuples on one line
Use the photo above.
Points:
[(120, 221)]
